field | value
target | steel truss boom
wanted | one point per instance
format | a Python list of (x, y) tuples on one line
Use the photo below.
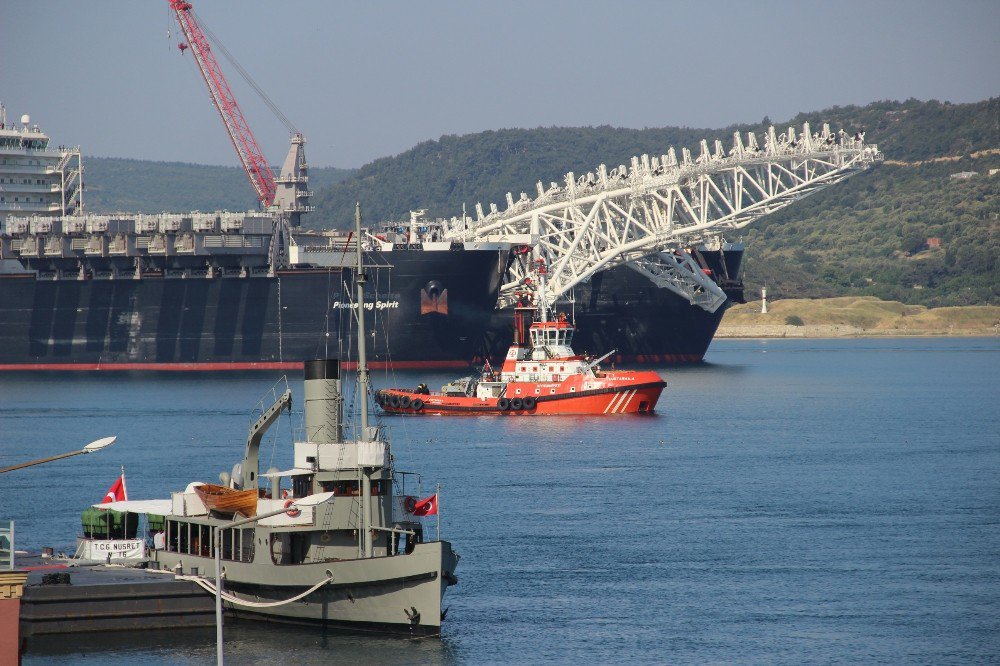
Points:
[(662, 204), (243, 139)]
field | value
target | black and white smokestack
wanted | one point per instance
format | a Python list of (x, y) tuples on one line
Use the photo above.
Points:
[(323, 401)]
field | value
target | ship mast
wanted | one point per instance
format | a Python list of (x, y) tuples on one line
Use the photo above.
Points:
[(365, 546), (359, 280)]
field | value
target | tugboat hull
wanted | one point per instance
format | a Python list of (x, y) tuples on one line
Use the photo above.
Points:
[(637, 397)]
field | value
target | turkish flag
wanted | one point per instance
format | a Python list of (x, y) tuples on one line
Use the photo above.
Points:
[(117, 492), (427, 506)]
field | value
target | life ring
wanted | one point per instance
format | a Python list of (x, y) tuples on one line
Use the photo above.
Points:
[(417, 404), (516, 404), (324, 537), (405, 401), (284, 493), (291, 513), (503, 404), (530, 402), (410, 504)]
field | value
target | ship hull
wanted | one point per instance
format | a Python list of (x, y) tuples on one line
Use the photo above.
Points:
[(363, 595), (428, 309), (547, 399), (273, 323)]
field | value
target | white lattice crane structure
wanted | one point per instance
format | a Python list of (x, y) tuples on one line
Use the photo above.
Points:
[(644, 215)]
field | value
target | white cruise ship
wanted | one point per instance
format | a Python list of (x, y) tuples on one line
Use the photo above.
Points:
[(36, 179)]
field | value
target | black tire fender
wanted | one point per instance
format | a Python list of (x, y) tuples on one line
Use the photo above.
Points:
[(530, 402), (417, 404), (503, 404), (516, 404), (404, 401)]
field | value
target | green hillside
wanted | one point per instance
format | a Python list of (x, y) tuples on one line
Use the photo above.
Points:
[(442, 175), (114, 184)]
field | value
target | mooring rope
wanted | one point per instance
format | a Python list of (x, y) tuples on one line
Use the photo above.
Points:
[(205, 584)]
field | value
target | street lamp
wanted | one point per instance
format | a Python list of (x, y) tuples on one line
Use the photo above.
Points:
[(96, 445), (311, 500)]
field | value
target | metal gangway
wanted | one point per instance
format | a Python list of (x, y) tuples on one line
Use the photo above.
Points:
[(645, 214)]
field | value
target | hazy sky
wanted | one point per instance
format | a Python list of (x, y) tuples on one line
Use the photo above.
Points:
[(368, 79)]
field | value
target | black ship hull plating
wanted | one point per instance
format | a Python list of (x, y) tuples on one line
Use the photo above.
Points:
[(431, 309), (427, 309)]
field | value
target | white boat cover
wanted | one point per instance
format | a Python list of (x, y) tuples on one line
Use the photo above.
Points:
[(157, 507)]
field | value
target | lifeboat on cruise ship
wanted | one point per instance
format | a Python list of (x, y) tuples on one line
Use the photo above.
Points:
[(541, 375)]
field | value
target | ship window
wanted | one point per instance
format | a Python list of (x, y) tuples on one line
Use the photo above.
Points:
[(572, 389), (246, 545), (552, 391), (202, 536), (183, 530), (302, 485), (345, 489), (173, 536), (518, 391)]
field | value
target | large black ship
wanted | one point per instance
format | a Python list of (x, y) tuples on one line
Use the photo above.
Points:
[(223, 307), (253, 290), (431, 301)]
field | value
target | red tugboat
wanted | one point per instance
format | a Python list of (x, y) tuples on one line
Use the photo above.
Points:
[(541, 375)]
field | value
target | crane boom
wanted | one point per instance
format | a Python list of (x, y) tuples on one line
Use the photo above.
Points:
[(258, 171)]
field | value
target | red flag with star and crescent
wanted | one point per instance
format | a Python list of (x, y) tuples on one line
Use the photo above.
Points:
[(427, 506), (117, 491)]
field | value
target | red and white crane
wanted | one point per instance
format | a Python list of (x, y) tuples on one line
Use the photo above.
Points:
[(261, 177)]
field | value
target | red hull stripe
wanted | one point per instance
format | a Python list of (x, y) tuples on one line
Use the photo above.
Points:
[(217, 367)]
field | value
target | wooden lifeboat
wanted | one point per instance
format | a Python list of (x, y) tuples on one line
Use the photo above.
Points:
[(227, 500)]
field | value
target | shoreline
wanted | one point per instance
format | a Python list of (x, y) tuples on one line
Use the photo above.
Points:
[(756, 333), (856, 317)]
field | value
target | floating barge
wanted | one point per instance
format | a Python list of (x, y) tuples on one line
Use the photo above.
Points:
[(62, 597)]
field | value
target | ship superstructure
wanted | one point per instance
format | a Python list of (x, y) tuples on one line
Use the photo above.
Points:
[(36, 179)]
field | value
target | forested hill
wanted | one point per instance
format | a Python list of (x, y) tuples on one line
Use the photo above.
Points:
[(441, 175), (875, 234), (137, 186)]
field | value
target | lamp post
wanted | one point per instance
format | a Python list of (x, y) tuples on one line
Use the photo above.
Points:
[(94, 446), (311, 500)]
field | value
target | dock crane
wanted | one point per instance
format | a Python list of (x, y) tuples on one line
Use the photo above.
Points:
[(258, 171), (287, 197)]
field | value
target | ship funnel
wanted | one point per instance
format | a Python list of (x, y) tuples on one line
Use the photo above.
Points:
[(324, 401)]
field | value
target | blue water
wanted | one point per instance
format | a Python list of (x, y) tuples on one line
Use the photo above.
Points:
[(793, 501)]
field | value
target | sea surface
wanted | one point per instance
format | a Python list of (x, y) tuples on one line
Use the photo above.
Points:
[(792, 501)]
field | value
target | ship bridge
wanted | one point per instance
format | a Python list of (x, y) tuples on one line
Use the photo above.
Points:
[(646, 214)]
